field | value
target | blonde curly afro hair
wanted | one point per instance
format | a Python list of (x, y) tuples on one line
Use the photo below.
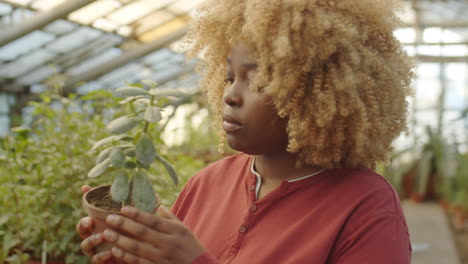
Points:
[(333, 68)]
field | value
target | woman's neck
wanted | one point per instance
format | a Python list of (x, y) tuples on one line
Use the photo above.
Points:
[(281, 167)]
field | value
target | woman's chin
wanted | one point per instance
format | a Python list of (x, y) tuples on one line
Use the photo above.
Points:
[(236, 144)]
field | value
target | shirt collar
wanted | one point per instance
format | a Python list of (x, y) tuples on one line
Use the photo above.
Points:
[(259, 177)]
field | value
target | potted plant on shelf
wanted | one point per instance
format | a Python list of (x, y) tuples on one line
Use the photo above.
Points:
[(127, 155)]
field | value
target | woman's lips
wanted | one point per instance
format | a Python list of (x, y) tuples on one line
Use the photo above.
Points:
[(231, 127)]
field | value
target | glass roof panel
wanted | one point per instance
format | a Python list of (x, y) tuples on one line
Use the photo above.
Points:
[(60, 27), (5, 9), (89, 87), (38, 75), (17, 16), (184, 6), (151, 21), (93, 11), (74, 39), (25, 63), (157, 56), (38, 88), (95, 61), (25, 44), (136, 10), (4, 105), (119, 76), (168, 72), (454, 50), (46, 4)]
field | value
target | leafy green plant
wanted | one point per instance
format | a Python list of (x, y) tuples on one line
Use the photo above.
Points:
[(130, 151), (43, 168)]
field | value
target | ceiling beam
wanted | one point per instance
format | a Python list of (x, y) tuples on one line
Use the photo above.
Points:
[(434, 43), (40, 20), (452, 24), (440, 59)]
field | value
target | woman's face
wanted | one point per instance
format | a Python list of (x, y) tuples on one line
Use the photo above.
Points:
[(249, 118)]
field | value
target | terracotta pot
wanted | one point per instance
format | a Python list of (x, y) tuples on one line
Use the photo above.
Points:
[(459, 219), (417, 197), (444, 204), (98, 215)]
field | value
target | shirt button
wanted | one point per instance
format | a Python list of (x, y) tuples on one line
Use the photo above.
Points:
[(242, 229), (251, 188), (253, 208)]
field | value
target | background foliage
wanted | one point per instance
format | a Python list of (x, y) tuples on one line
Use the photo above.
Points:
[(44, 166)]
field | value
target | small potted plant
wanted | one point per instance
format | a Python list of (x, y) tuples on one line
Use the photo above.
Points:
[(127, 156)]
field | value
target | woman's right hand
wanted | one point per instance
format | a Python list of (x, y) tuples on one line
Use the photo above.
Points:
[(90, 242)]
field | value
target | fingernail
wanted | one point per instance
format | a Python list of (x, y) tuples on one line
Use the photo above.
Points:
[(110, 235), (97, 237), (127, 210), (117, 252), (113, 219)]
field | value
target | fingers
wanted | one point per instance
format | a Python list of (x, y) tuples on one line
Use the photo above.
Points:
[(155, 222), (129, 258), (164, 212), (102, 257), (84, 227), (89, 244), (134, 249), (137, 230), (85, 189)]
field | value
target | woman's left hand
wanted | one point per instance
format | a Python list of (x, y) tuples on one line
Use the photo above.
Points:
[(161, 239)]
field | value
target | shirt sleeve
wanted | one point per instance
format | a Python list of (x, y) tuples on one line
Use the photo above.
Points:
[(205, 258), (383, 239)]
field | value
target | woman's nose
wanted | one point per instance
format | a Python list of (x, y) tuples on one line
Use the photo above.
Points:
[(232, 95)]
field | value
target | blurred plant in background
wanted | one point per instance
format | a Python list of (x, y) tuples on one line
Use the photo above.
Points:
[(44, 166)]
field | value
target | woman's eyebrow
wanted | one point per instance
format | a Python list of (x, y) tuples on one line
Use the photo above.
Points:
[(250, 65)]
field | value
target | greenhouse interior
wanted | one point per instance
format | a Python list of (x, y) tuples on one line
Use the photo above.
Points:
[(62, 62)]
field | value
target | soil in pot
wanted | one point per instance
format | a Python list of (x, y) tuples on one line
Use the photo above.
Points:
[(100, 199)]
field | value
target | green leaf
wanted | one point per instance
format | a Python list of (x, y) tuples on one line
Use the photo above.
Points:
[(167, 92), (99, 169), (145, 151), (153, 114), (170, 169), (149, 84), (120, 188), (130, 152), (108, 140), (132, 98), (143, 196), (117, 157), (145, 101), (132, 91), (123, 124), (130, 165), (103, 155)]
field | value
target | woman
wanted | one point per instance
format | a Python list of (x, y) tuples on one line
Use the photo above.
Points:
[(311, 93)]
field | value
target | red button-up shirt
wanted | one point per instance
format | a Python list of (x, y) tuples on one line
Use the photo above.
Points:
[(337, 216)]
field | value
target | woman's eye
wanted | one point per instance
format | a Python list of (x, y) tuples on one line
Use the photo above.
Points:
[(229, 80)]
